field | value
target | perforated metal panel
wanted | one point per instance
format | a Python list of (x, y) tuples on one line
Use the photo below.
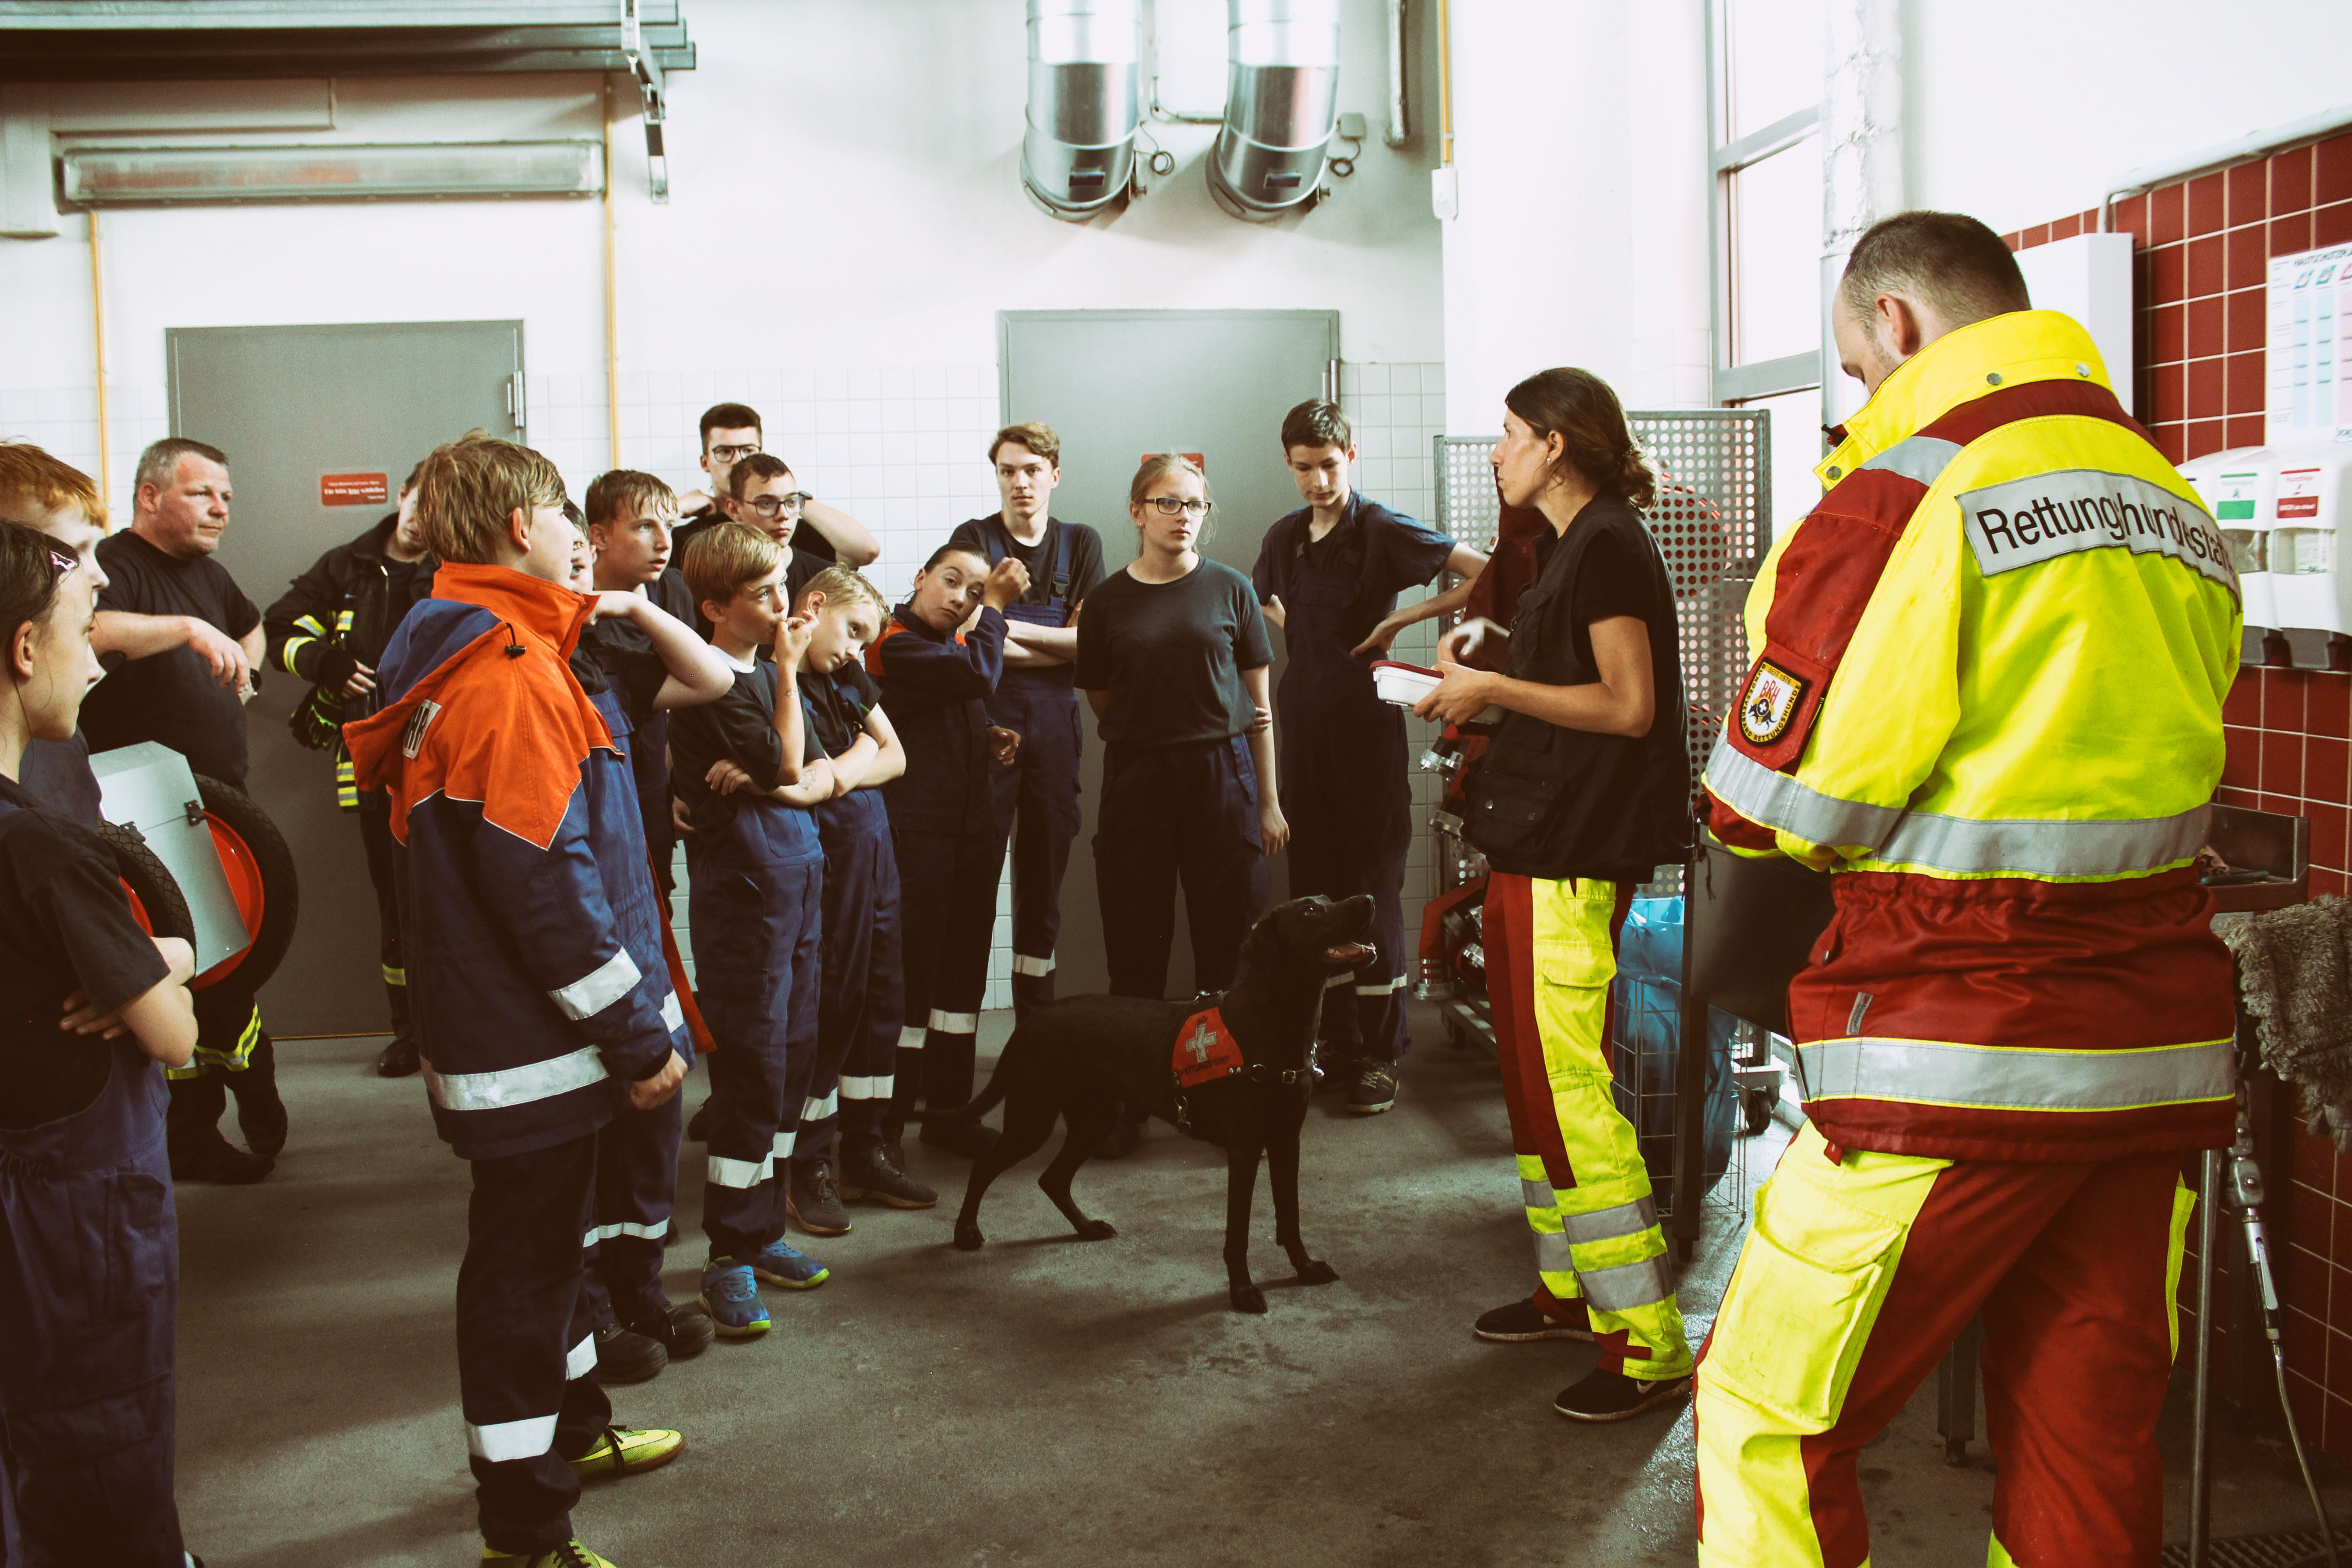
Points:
[(1714, 468)]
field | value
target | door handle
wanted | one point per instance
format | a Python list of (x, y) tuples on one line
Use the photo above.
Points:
[(518, 410)]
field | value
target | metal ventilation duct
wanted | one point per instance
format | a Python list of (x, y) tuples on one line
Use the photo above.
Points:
[(1282, 101), (1084, 103)]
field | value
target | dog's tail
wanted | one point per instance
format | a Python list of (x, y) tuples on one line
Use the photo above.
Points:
[(990, 1096)]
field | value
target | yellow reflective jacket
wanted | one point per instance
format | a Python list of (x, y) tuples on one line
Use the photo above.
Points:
[(1986, 689)]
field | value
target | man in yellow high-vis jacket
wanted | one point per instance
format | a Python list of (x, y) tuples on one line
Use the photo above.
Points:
[(1986, 692)]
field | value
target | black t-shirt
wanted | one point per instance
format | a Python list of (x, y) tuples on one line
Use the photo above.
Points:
[(1086, 556), (57, 774), (1172, 655), (838, 704), (64, 925), (1385, 551), (1551, 802), (740, 726), (627, 654), (170, 696)]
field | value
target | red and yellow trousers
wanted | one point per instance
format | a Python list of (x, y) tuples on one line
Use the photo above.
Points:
[(1861, 1271), (1551, 954)]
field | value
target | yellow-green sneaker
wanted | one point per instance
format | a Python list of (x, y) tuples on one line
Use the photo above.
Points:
[(626, 1451), (571, 1555)]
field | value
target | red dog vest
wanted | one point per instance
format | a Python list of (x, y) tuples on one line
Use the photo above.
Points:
[(1205, 1051)]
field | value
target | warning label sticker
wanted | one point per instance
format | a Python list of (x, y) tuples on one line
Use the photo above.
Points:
[(353, 489)]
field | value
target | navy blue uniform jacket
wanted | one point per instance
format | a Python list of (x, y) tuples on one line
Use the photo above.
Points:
[(527, 906), (935, 686)]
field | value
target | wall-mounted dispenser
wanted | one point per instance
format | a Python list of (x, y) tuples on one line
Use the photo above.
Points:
[(1281, 106), (1086, 101), (2311, 580), (2236, 487)]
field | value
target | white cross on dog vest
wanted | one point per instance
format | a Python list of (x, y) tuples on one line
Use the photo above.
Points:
[(1205, 1051)]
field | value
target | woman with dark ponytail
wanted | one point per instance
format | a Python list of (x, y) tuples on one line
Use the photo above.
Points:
[(1583, 793), (89, 1245)]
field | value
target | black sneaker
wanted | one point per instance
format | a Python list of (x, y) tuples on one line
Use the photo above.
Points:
[(218, 1161), (1613, 1396), (814, 1202), (875, 1179), (1525, 1319), (969, 1139), (684, 1332), (1374, 1090), (623, 1356), (397, 1059)]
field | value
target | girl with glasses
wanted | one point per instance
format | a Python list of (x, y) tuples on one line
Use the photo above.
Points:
[(1173, 659)]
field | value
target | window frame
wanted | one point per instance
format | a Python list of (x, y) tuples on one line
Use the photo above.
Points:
[(1730, 384)]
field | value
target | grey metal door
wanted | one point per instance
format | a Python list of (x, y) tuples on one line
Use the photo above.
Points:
[(1118, 385), (305, 413)]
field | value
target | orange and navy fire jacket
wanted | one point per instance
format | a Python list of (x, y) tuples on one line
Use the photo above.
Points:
[(1986, 692), (528, 910)]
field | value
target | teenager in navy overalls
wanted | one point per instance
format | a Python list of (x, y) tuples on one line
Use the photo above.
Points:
[(88, 1238), (1343, 750)]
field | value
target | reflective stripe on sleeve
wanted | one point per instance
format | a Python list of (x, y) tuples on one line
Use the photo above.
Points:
[(582, 1360), (1024, 965), (1343, 978), (599, 988), (1607, 1224), (672, 1016), (2039, 848), (2011, 1078), (652, 1232), (393, 976), (1386, 987), (869, 1088), (524, 1439), (1628, 1285), (514, 1086), (293, 646)]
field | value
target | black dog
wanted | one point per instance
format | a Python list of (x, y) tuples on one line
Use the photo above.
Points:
[(1080, 1059)]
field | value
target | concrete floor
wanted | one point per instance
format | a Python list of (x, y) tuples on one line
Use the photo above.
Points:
[(1044, 1401)]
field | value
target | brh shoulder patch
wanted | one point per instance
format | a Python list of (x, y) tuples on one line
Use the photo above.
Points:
[(411, 738), (1768, 704), (1205, 1051)]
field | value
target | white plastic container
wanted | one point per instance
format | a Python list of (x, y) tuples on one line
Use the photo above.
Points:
[(2311, 581), (2236, 487)]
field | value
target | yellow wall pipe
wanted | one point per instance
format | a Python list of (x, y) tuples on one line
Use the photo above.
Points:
[(612, 294), (98, 344)]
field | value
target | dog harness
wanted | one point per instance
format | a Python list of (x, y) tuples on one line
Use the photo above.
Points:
[(1205, 1051)]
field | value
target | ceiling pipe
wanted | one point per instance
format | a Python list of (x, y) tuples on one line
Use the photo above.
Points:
[(1400, 129), (1084, 105), (1282, 104), (2228, 156)]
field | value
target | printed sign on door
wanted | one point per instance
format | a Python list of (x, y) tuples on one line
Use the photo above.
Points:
[(353, 489)]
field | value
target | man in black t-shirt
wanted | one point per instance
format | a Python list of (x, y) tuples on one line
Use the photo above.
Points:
[(631, 519), (195, 642), (1036, 793)]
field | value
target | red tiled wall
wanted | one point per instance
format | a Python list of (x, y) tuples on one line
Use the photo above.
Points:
[(2201, 266)]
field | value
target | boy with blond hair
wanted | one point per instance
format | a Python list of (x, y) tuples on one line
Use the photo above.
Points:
[(747, 769), (46, 492), (541, 1003), (862, 1002)]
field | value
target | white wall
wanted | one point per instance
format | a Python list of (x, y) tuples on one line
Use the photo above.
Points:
[(1580, 156), (847, 210), (2022, 111)]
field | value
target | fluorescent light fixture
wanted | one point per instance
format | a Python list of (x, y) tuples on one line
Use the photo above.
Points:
[(163, 176)]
